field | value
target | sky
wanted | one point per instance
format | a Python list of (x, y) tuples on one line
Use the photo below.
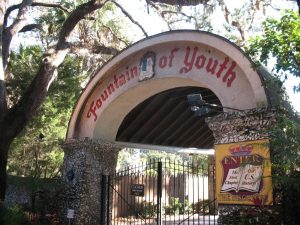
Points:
[(153, 24)]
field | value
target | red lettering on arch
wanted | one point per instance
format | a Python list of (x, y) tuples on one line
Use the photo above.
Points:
[(104, 96), (134, 72), (122, 80), (92, 111), (162, 62), (211, 68), (189, 61), (201, 59), (230, 75), (113, 85)]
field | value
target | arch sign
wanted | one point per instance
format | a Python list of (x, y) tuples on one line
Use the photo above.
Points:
[(158, 63)]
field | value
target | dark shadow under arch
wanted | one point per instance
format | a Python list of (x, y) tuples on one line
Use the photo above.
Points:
[(166, 119)]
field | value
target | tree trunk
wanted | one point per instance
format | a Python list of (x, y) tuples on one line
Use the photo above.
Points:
[(4, 143), (4, 147)]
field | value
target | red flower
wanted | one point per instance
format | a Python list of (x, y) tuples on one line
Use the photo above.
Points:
[(259, 202)]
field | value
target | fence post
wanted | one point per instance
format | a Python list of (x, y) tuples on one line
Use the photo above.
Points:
[(103, 199), (109, 201), (159, 192)]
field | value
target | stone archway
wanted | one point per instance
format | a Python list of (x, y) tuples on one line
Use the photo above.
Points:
[(166, 61)]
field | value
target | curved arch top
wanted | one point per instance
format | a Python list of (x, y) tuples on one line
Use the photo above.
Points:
[(164, 61)]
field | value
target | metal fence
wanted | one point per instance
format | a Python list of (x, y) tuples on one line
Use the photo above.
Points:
[(159, 193)]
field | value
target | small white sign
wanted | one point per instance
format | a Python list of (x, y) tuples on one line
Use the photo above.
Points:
[(70, 214)]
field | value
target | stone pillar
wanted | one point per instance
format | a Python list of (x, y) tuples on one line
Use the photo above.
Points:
[(237, 127), (241, 126), (85, 162)]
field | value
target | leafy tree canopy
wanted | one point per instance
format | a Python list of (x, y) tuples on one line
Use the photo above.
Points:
[(280, 41), (36, 151)]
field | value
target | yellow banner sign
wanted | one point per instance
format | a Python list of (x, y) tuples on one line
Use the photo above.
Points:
[(243, 173)]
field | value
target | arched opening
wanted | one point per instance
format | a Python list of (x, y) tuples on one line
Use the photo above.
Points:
[(165, 122), (166, 119)]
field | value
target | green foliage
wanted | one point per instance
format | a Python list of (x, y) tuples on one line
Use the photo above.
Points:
[(36, 152), (146, 210), (23, 64), (13, 216), (177, 207), (285, 149), (281, 40), (175, 163), (285, 156), (204, 206), (52, 20), (250, 216)]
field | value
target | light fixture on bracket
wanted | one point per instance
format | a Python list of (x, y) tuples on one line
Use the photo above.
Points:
[(201, 107)]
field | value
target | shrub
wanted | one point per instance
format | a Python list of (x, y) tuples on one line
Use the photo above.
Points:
[(13, 216), (177, 207)]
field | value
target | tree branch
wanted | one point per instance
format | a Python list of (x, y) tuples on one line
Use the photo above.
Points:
[(9, 11), (49, 5), (95, 49), (10, 31), (19, 24), (240, 29), (75, 16), (31, 27), (180, 13), (231, 22), (3, 94), (36, 93), (118, 38), (130, 17), (181, 2), (159, 10)]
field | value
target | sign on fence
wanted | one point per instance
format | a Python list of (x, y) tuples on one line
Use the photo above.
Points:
[(137, 189), (70, 213)]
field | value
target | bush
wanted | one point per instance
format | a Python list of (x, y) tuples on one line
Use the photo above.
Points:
[(204, 207), (177, 207), (13, 216), (146, 210), (250, 216)]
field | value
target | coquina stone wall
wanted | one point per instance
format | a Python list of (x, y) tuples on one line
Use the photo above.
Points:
[(240, 126), (85, 162)]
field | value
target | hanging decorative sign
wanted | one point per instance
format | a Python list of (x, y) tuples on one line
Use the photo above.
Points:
[(244, 173)]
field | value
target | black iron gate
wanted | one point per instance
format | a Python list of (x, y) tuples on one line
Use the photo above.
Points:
[(159, 192)]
